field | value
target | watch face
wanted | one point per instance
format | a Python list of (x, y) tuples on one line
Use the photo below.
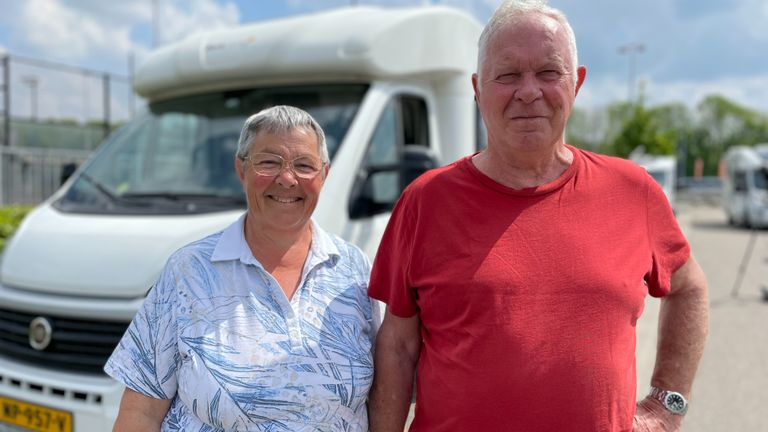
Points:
[(675, 402)]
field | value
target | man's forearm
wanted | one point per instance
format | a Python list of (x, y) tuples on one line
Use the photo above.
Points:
[(398, 345), (390, 396), (683, 327)]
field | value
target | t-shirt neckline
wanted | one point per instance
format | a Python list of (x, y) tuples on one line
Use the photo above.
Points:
[(531, 191)]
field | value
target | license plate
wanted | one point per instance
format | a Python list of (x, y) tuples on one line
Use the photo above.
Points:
[(34, 417)]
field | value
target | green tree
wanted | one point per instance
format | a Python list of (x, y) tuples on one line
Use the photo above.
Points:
[(643, 127), (723, 123)]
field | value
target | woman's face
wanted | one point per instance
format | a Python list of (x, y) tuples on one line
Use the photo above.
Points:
[(282, 202)]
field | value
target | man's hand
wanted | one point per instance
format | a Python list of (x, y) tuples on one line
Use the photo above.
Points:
[(651, 416)]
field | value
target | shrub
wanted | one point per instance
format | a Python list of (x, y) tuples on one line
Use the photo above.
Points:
[(10, 218)]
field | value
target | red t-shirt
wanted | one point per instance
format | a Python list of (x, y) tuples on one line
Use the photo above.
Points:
[(528, 298)]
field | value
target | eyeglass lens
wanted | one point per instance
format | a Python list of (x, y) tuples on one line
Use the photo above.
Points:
[(268, 164)]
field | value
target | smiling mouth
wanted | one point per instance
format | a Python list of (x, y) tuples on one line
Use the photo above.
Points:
[(526, 117), (284, 200)]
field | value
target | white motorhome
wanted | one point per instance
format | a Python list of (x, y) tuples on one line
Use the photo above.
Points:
[(663, 169), (745, 187), (391, 88)]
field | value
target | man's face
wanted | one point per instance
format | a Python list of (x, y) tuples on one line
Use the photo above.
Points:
[(283, 202), (525, 89)]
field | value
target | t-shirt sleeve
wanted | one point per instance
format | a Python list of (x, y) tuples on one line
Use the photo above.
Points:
[(669, 248), (389, 276), (145, 359)]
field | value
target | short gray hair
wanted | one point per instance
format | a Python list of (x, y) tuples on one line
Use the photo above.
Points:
[(511, 10), (280, 119)]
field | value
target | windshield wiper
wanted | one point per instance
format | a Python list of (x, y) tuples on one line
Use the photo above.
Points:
[(189, 196), (107, 192)]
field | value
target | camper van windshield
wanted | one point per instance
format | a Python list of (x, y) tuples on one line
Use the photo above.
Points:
[(178, 158), (761, 179)]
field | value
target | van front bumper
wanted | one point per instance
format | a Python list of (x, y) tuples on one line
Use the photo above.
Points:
[(92, 401)]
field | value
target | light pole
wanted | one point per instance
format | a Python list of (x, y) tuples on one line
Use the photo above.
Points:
[(155, 23), (631, 49), (32, 81)]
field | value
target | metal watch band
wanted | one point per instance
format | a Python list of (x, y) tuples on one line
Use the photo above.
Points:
[(672, 401)]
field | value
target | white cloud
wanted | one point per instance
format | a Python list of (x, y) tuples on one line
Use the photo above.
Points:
[(76, 30), (314, 5), (600, 93), (480, 9), (61, 32), (751, 92), (98, 35), (181, 19), (754, 14)]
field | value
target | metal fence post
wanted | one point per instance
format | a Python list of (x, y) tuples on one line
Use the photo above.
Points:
[(2, 174), (107, 102), (7, 100)]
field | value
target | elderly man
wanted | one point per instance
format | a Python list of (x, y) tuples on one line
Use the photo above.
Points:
[(266, 325), (514, 277)]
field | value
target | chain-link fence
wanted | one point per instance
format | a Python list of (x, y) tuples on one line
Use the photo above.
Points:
[(30, 175), (53, 114)]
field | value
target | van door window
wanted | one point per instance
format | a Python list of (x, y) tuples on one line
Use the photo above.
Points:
[(404, 121), (740, 181)]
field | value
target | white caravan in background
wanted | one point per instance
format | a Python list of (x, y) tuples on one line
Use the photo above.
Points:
[(663, 169), (745, 187), (391, 88)]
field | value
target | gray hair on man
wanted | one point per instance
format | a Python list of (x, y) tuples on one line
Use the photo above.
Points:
[(510, 11), (280, 119)]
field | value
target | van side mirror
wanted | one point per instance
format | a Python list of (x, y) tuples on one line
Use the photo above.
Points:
[(377, 188), (416, 161), (66, 172)]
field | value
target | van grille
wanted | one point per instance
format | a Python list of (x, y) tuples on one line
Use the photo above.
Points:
[(76, 345)]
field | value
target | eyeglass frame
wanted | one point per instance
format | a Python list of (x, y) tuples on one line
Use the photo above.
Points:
[(285, 163)]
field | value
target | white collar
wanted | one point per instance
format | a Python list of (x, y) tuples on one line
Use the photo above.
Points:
[(232, 246)]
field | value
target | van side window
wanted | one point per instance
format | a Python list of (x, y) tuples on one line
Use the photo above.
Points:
[(383, 147), (384, 151), (740, 181), (761, 179), (404, 121), (415, 122)]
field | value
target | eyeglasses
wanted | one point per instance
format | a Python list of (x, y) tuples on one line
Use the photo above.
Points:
[(270, 165)]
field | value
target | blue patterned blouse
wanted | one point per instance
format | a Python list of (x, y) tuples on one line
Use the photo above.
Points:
[(218, 336)]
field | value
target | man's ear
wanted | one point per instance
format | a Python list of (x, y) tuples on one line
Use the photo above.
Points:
[(581, 73), (239, 169), (475, 85)]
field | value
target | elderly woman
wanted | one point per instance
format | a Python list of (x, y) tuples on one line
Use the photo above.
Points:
[(265, 326)]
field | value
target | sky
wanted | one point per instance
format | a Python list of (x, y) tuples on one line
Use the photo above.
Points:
[(689, 48)]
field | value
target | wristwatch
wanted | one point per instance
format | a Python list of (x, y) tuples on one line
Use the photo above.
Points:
[(673, 401)]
